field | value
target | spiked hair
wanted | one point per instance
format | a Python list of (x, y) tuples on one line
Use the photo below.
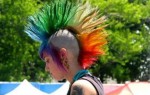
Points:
[(80, 18)]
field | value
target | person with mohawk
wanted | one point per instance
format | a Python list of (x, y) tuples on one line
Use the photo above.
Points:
[(72, 37)]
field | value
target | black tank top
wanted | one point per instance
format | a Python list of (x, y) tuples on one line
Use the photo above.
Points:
[(94, 81)]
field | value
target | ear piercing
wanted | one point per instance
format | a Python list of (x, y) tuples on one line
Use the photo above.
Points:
[(65, 63)]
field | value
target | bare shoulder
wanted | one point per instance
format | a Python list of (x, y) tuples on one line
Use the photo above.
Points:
[(83, 87)]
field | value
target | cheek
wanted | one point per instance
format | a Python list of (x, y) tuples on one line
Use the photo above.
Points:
[(51, 67)]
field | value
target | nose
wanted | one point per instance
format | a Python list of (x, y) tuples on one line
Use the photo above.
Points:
[(46, 68)]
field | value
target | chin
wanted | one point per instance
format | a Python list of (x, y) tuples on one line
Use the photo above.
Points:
[(63, 80), (59, 79)]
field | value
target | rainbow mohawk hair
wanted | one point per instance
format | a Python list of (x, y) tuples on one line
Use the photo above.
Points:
[(82, 19)]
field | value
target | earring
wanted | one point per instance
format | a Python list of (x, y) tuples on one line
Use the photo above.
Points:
[(65, 63)]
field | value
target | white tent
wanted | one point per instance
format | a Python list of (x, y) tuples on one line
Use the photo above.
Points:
[(132, 88), (62, 90), (25, 88)]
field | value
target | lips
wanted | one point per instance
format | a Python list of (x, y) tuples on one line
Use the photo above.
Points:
[(50, 74)]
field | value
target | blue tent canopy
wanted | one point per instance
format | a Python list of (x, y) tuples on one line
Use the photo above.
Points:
[(6, 87)]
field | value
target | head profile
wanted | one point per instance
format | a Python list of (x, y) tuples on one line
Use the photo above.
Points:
[(71, 31), (62, 39)]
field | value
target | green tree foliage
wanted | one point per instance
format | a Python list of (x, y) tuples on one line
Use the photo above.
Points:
[(128, 51), (128, 41), (18, 53)]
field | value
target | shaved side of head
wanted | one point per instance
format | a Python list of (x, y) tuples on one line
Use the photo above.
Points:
[(65, 39)]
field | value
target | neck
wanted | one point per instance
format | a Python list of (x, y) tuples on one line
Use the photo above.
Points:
[(72, 72)]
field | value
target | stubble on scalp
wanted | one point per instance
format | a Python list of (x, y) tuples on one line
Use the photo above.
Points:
[(65, 39)]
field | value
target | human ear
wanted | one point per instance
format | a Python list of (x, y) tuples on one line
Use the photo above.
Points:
[(63, 57), (63, 53)]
